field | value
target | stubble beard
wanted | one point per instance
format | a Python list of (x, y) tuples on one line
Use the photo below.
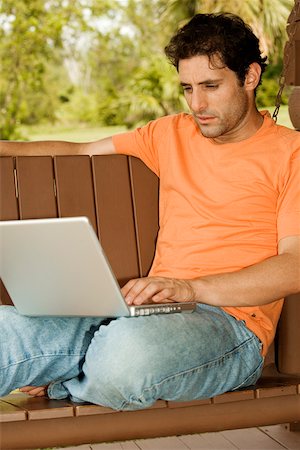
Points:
[(211, 131), (226, 124)]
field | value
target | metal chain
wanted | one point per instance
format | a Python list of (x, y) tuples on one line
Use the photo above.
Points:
[(287, 57)]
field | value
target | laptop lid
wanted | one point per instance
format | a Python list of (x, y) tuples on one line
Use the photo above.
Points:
[(57, 267)]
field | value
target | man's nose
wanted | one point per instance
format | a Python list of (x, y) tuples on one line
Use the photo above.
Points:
[(198, 102)]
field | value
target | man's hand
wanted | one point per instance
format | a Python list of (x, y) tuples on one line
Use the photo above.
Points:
[(158, 290), (35, 391)]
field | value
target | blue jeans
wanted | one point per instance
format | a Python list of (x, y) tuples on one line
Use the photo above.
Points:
[(129, 363)]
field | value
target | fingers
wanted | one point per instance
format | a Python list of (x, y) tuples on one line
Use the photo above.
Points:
[(142, 290), (163, 296), (156, 289), (35, 391)]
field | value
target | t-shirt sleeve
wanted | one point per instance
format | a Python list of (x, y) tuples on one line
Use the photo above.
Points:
[(288, 206), (142, 143)]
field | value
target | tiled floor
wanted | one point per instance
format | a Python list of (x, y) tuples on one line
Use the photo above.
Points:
[(264, 438)]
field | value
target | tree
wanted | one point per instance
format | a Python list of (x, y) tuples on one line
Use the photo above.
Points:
[(268, 18), (31, 38), (124, 77)]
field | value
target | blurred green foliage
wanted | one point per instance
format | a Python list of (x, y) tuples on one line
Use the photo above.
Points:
[(267, 91), (101, 61)]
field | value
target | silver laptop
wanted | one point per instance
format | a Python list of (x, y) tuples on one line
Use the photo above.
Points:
[(57, 267)]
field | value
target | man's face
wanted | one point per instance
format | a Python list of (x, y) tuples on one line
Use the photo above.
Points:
[(220, 105)]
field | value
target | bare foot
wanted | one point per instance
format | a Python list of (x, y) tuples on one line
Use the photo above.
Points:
[(35, 391)]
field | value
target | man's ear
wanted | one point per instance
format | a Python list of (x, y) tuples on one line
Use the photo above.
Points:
[(252, 76)]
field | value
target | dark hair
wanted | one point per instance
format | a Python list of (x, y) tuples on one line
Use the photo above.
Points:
[(224, 35)]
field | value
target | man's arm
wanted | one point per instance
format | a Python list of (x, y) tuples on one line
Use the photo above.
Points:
[(57, 148), (259, 284)]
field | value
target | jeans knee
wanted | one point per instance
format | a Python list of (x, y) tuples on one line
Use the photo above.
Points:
[(119, 367)]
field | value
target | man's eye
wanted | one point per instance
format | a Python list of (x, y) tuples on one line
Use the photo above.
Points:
[(212, 86), (187, 88)]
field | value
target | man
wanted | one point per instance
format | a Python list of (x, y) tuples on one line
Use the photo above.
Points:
[(229, 240)]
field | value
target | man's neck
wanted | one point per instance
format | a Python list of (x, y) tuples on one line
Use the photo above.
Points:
[(248, 126)]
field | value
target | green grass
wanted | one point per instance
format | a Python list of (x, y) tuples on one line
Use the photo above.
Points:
[(86, 133), (74, 133)]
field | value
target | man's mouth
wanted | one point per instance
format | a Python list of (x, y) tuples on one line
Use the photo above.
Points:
[(204, 119)]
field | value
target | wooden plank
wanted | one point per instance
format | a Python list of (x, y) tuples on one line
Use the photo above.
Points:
[(294, 426), (282, 435), (253, 439), (90, 409), (207, 441), (4, 295), (237, 396), (145, 200), (149, 423), (129, 445), (165, 443), (289, 336), (36, 187), (115, 446), (115, 215), (8, 207), (159, 404), (8, 199), (74, 185), (173, 404), (40, 408), (10, 413), (78, 447), (297, 58), (275, 391)]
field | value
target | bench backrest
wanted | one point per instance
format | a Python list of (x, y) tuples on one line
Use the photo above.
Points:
[(119, 195)]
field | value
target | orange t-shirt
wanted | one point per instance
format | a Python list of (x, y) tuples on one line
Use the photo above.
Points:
[(222, 207)]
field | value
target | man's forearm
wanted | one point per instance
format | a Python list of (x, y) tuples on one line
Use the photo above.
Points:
[(259, 284), (56, 148), (262, 283)]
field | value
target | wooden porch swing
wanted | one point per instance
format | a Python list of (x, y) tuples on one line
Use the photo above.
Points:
[(291, 71), (132, 198)]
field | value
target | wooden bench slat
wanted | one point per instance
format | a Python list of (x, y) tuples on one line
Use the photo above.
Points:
[(288, 334), (145, 200), (159, 404), (276, 391), (9, 413), (247, 394), (4, 295), (90, 410), (38, 408), (8, 207), (115, 215), (173, 404), (74, 185), (36, 187), (8, 200)]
